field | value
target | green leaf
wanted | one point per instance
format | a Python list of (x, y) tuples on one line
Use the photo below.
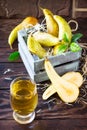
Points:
[(76, 37), (65, 38), (74, 47), (14, 56), (62, 48)]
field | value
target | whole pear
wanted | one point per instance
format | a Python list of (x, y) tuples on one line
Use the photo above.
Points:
[(46, 39), (64, 28), (26, 23), (35, 47), (52, 26)]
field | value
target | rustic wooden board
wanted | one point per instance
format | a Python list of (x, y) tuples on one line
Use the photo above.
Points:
[(53, 108), (74, 118), (64, 124), (5, 109), (8, 71), (5, 53), (6, 26)]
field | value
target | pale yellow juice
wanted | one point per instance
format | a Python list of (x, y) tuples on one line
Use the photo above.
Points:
[(24, 97)]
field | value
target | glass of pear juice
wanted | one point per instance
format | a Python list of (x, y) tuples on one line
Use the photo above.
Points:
[(23, 99)]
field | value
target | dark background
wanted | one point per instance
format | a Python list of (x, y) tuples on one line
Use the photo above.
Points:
[(23, 8), (12, 12)]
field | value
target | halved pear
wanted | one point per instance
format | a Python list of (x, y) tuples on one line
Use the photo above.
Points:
[(73, 77), (66, 90)]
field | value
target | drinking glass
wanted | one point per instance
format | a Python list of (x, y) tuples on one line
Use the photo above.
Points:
[(24, 99)]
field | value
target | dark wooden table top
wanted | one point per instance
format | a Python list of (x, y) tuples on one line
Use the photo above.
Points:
[(51, 114)]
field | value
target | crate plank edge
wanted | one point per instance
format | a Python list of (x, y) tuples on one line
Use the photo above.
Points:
[(68, 61)]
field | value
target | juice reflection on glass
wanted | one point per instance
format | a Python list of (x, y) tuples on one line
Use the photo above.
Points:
[(24, 99)]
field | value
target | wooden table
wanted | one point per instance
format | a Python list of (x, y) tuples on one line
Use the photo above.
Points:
[(51, 114)]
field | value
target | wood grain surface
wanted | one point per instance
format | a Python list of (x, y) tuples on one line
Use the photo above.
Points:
[(51, 114)]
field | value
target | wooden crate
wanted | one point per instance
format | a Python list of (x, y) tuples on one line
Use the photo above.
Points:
[(68, 61)]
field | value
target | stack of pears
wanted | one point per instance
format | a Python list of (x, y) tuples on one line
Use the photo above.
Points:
[(56, 29), (39, 42)]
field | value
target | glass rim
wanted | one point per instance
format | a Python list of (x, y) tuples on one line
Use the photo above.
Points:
[(21, 77)]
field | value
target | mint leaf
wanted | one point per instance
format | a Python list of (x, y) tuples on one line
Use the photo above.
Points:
[(74, 47), (65, 38), (14, 56), (62, 48), (76, 37)]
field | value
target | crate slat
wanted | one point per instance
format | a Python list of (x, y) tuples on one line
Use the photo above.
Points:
[(63, 63)]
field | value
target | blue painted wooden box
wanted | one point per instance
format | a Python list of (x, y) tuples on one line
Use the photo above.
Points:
[(68, 61)]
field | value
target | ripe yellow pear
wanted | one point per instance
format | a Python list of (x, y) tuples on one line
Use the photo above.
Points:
[(67, 91), (35, 47), (27, 22), (52, 26), (60, 48), (46, 39), (73, 77), (64, 28)]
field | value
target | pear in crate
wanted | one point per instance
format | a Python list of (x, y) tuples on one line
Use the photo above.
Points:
[(60, 48), (64, 28), (46, 39), (35, 47), (52, 26)]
